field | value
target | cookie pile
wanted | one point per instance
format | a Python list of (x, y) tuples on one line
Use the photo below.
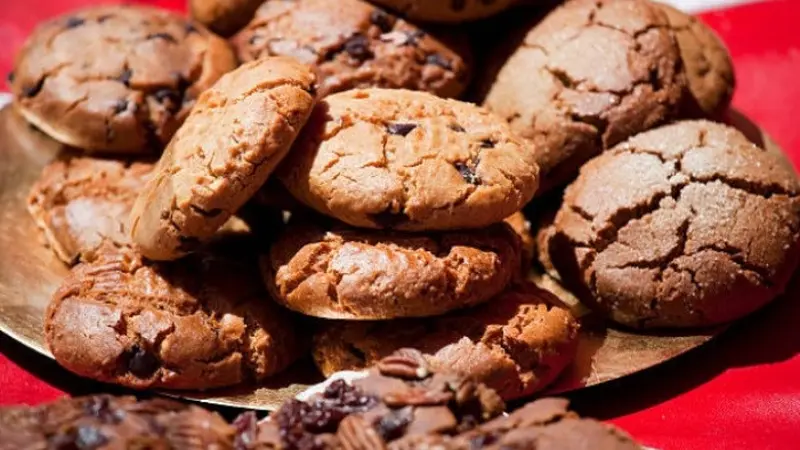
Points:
[(405, 225)]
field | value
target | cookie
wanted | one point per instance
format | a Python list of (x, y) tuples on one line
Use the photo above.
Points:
[(352, 44), (379, 158), (685, 225), (78, 203), (200, 323), (224, 17), (587, 77), (339, 272), (235, 136), (401, 397), (103, 421), (520, 224), (116, 78), (448, 11), (543, 424), (707, 63), (516, 344)]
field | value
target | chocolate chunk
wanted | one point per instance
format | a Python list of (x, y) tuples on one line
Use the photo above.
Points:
[(170, 97), (358, 47), (394, 424), (142, 363), (165, 36), (436, 59), (457, 128), (401, 129), (383, 21), (89, 438), (32, 91), (10, 77), (75, 22), (487, 143), (121, 106), (125, 76), (467, 173)]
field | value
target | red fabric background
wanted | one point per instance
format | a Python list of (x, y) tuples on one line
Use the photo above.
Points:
[(740, 391)]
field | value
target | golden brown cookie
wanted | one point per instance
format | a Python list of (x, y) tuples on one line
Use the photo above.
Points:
[(517, 343), (449, 11), (380, 158), (78, 203), (352, 44), (235, 136), (685, 225), (339, 272), (116, 78), (224, 17), (587, 77), (202, 322)]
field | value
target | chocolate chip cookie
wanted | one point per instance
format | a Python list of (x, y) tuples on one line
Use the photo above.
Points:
[(79, 203), (516, 344), (353, 44), (103, 421), (587, 77), (200, 323), (116, 78), (235, 136), (380, 158), (452, 11), (401, 398), (685, 225), (339, 272), (224, 17)]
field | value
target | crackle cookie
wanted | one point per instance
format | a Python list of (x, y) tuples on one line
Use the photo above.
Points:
[(199, 323), (78, 203), (227, 148), (339, 272), (587, 77), (352, 44), (224, 17), (402, 397), (447, 11), (380, 158), (517, 343), (685, 225), (105, 422), (116, 78)]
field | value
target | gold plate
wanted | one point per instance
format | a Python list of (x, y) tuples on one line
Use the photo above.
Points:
[(30, 273)]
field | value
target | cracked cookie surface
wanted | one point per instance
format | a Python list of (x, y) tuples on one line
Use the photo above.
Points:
[(587, 77), (447, 11), (199, 323), (116, 78), (352, 44), (103, 421), (340, 272), (380, 158), (516, 343), (234, 138), (685, 225), (224, 17), (78, 203)]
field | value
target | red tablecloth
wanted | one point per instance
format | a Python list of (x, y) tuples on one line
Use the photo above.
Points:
[(741, 391)]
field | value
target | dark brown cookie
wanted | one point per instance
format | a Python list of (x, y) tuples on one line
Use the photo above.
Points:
[(200, 323), (587, 77), (105, 422), (401, 397), (405, 160), (340, 272), (353, 44), (78, 203), (224, 17), (685, 225), (234, 138), (447, 11), (517, 343), (116, 78)]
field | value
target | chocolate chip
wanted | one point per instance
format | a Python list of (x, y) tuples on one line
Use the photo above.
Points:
[(400, 129), (142, 363), (165, 36), (75, 22), (467, 173), (171, 98), (89, 438), (10, 77), (383, 21), (190, 28), (436, 59), (487, 143), (125, 76), (358, 47), (32, 91), (457, 128), (394, 424), (120, 106)]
